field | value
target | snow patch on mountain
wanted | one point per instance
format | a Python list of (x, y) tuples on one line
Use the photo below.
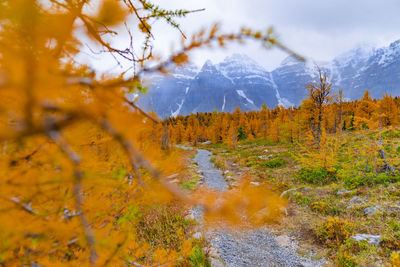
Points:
[(290, 61), (242, 94), (281, 101), (225, 74), (176, 113), (357, 55), (183, 76)]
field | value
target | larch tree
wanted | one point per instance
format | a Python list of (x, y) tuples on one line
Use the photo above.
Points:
[(79, 157), (319, 96), (365, 112)]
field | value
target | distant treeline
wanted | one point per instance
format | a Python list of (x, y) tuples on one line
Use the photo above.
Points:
[(282, 124)]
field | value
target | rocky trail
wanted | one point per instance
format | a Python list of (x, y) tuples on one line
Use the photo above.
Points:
[(245, 248)]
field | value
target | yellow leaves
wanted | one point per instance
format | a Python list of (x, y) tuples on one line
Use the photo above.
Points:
[(395, 259), (181, 59), (247, 205), (334, 231), (144, 26), (111, 13)]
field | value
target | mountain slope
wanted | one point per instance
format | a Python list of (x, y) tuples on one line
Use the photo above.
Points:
[(239, 81)]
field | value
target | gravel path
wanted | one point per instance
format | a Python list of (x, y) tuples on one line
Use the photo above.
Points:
[(245, 248)]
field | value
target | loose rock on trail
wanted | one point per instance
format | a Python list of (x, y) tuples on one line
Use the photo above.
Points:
[(244, 248)]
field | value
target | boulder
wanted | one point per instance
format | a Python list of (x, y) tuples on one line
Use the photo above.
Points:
[(371, 239), (369, 211)]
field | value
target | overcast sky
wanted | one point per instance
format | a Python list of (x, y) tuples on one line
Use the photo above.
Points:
[(318, 29)]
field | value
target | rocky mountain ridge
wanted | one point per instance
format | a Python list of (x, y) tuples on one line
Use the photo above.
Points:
[(239, 81)]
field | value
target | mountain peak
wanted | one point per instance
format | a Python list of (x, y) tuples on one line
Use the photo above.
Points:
[(239, 58), (359, 53), (290, 60), (395, 44), (208, 66)]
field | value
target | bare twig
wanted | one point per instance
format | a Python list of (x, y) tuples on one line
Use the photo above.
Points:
[(138, 161), (77, 189), (144, 113)]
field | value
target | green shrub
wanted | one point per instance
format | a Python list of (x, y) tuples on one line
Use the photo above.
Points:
[(198, 258), (318, 176), (274, 163), (345, 259), (334, 231), (368, 179), (352, 253), (391, 237), (391, 134)]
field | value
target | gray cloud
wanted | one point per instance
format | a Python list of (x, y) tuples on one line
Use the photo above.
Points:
[(318, 29)]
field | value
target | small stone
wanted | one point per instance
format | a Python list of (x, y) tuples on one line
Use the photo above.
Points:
[(266, 150), (284, 193), (305, 189), (342, 192), (226, 172), (263, 157), (175, 181), (369, 211), (283, 241), (197, 235), (206, 143), (356, 200), (371, 239), (255, 183)]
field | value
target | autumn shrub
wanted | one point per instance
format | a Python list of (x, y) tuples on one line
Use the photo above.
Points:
[(316, 175), (334, 231), (353, 253), (398, 150), (391, 240), (345, 259), (319, 206), (163, 226), (275, 162), (395, 259)]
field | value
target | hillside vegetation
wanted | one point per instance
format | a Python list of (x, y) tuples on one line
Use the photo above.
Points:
[(336, 162)]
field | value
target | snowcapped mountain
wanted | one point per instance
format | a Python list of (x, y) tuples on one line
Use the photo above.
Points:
[(239, 81)]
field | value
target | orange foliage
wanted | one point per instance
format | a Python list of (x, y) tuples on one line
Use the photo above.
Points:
[(293, 124), (76, 155)]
